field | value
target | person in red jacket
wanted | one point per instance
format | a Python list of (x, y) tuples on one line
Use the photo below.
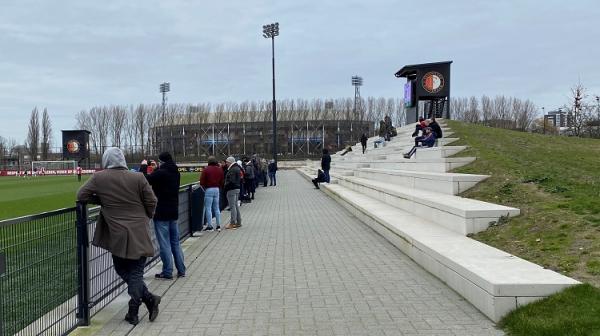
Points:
[(211, 180)]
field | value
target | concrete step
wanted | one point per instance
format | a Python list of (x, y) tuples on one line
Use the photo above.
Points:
[(492, 280), (422, 153), (458, 214), (446, 183), (439, 165)]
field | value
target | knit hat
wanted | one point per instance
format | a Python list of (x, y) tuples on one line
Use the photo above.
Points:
[(165, 157), (230, 159)]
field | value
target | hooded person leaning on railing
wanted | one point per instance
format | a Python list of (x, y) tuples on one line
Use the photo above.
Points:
[(127, 205)]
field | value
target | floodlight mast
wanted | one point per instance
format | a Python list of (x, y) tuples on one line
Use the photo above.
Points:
[(270, 31), (163, 88), (357, 82)]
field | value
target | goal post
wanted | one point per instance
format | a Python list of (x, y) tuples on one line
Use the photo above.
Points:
[(54, 167)]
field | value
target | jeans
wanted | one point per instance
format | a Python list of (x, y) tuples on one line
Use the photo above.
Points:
[(211, 206), (272, 178), (326, 172), (232, 199), (132, 272), (167, 234)]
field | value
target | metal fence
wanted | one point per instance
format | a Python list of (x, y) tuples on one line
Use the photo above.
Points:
[(52, 279)]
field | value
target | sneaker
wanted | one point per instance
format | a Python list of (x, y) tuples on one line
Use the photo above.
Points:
[(209, 229), (218, 229), (180, 275), (163, 276)]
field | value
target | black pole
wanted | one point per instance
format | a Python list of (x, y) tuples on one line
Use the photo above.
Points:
[(274, 103), (83, 288)]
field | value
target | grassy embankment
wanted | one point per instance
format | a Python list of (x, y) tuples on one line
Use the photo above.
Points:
[(555, 181)]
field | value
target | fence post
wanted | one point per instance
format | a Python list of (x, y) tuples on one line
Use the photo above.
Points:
[(189, 194), (2, 271), (83, 288)]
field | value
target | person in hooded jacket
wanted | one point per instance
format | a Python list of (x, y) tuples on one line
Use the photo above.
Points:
[(232, 186), (165, 183), (127, 205)]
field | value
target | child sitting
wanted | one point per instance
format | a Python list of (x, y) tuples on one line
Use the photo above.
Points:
[(426, 140)]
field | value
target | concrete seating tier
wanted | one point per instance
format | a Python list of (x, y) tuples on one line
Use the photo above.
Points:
[(458, 214), (446, 183), (429, 165), (492, 280), (423, 153)]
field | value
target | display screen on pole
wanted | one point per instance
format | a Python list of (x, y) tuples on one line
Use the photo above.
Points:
[(408, 94)]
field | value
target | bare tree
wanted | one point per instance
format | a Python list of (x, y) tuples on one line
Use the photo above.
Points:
[(46, 134), (117, 125), (577, 114), (33, 135)]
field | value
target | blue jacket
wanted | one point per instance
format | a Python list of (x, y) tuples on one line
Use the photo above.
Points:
[(429, 140)]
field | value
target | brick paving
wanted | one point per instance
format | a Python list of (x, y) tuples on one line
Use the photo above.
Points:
[(302, 265)]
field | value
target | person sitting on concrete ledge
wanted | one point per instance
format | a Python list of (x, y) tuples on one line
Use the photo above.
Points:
[(346, 150), (426, 140), (319, 179), (420, 127)]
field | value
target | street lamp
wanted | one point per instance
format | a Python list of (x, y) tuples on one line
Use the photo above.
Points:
[(270, 31), (163, 88)]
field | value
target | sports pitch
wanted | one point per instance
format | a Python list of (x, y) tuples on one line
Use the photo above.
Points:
[(26, 196)]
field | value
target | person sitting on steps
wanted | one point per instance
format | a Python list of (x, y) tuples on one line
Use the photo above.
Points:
[(426, 140), (319, 179)]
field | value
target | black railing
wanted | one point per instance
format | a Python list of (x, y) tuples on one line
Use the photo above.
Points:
[(52, 279)]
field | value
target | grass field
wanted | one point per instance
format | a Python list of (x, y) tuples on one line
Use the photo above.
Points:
[(20, 197), (555, 181), (40, 254)]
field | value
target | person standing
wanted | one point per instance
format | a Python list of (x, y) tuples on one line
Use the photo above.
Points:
[(165, 183), (78, 174), (249, 178), (326, 164), (232, 189), (363, 142), (272, 173), (211, 180), (127, 205), (264, 171)]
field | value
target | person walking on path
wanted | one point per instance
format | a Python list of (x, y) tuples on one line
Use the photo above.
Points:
[(272, 173), (211, 180), (127, 205), (363, 142), (232, 189), (165, 183), (326, 164)]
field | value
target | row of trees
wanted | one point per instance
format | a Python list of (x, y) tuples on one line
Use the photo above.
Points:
[(500, 111)]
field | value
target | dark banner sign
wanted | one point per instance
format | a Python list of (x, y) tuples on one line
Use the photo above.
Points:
[(75, 144), (433, 81)]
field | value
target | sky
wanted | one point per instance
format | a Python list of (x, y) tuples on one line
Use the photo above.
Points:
[(71, 55)]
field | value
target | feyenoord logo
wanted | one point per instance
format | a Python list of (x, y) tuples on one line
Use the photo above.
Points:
[(433, 82), (73, 146)]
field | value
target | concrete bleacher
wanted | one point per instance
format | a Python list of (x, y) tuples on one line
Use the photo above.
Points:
[(414, 203)]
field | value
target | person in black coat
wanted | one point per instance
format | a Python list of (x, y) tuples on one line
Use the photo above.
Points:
[(320, 178), (165, 183), (326, 164), (435, 127), (363, 141)]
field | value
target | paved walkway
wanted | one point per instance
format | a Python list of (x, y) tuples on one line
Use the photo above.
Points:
[(302, 265)]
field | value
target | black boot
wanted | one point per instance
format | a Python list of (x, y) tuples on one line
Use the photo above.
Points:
[(132, 314), (152, 301)]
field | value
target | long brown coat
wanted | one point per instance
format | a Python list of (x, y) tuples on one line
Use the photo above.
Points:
[(127, 205)]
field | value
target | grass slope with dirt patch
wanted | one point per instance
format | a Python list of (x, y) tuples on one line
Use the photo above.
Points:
[(555, 181)]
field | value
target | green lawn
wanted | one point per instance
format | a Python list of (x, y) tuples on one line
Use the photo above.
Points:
[(40, 254), (555, 181), (20, 197)]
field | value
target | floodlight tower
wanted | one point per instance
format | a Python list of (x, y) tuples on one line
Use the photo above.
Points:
[(357, 82), (163, 88), (270, 31)]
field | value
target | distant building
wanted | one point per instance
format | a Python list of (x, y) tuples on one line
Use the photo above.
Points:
[(296, 139)]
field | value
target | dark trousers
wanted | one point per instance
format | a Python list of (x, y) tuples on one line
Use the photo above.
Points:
[(364, 146), (264, 176), (79, 177), (132, 272), (327, 178)]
